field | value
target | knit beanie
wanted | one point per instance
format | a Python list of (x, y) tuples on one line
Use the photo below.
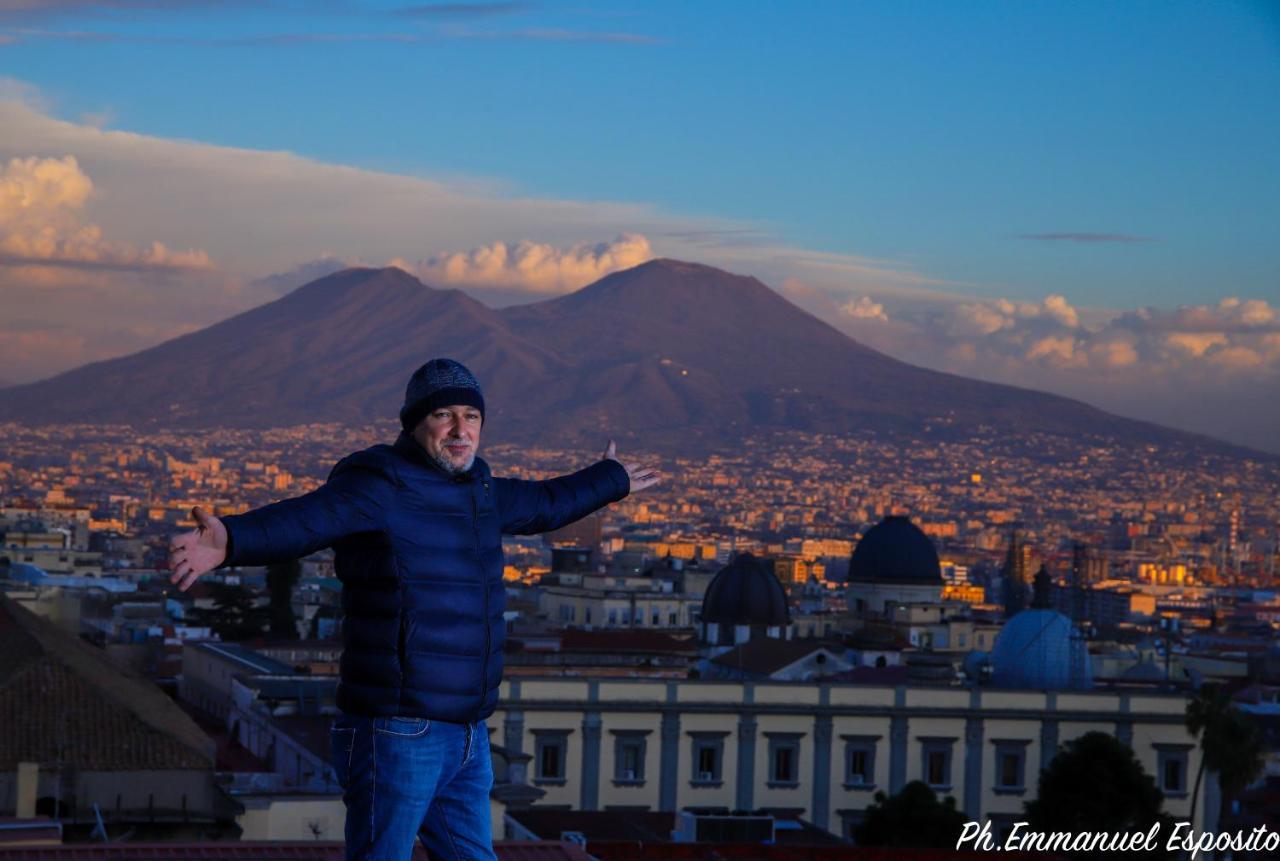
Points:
[(439, 383)]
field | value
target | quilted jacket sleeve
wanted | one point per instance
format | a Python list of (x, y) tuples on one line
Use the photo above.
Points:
[(354, 499), (529, 507)]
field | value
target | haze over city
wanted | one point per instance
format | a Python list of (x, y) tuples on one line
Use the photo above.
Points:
[(1076, 199)]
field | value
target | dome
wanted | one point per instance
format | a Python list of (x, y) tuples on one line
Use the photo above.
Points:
[(745, 592), (896, 551), (1040, 649)]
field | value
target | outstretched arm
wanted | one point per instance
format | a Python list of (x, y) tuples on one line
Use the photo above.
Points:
[(530, 507), (351, 501)]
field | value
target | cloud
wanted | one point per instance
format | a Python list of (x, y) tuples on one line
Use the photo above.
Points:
[(22, 10), (1229, 315), (1198, 367), (274, 286), (1059, 351), (535, 266), (460, 10), (1117, 353), (864, 309), (1195, 344), (1231, 334), (1084, 237), (980, 319), (41, 211)]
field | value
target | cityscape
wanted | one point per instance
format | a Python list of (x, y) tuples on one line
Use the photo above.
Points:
[(868, 612), (603, 430)]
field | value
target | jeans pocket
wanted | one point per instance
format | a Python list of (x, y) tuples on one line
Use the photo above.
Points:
[(342, 741), (405, 727)]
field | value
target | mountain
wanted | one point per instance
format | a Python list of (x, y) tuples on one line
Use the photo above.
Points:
[(669, 353), (337, 349)]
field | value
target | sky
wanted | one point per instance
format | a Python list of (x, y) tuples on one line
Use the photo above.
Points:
[(1077, 197)]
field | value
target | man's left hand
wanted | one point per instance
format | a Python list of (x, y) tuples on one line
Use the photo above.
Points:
[(641, 476)]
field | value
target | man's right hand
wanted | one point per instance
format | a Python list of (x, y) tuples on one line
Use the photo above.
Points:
[(198, 551)]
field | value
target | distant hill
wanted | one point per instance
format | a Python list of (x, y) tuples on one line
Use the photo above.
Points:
[(675, 353)]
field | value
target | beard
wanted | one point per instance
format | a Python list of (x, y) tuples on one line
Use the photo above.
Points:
[(443, 461)]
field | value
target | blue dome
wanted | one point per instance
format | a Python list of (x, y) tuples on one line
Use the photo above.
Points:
[(745, 592), (895, 550), (1041, 649)]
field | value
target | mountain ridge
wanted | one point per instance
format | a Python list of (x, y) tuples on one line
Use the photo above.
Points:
[(664, 350)]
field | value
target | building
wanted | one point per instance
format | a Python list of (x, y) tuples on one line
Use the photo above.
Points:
[(820, 751), (1039, 648), (894, 563), (744, 601), (209, 670), (83, 735)]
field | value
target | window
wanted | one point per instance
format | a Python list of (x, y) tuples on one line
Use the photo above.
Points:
[(672, 619), (1010, 765), (657, 616), (566, 612), (550, 753), (849, 822), (1171, 769), (784, 758), (860, 761), (613, 615), (708, 757), (628, 756), (935, 767)]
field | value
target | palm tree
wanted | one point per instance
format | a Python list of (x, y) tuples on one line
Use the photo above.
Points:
[(1206, 709), (1230, 745)]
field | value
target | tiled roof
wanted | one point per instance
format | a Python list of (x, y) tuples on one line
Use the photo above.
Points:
[(765, 655), (63, 700), (628, 640)]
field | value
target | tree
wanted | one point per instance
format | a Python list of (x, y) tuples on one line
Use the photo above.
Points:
[(1095, 784), (235, 615), (282, 577), (912, 818), (1230, 745), (1204, 710)]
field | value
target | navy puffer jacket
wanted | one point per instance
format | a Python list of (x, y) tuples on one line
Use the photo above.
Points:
[(419, 553)]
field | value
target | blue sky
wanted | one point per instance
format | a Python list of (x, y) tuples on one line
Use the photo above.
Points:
[(1077, 197), (934, 133)]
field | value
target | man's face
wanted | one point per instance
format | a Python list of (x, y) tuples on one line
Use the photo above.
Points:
[(451, 435)]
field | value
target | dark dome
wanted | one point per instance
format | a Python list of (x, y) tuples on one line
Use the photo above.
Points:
[(895, 551), (745, 592)]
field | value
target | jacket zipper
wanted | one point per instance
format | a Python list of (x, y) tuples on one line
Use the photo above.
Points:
[(484, 592)]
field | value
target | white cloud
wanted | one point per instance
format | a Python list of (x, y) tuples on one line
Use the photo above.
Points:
[(41, 222), (1195, 344), (1118, 353), (535, 266), (1162, 365), (865, 309), (1058, 350)]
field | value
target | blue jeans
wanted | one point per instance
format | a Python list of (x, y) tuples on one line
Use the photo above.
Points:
[(410, 777)]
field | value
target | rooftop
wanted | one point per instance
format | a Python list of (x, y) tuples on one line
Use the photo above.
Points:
[(63, 700)]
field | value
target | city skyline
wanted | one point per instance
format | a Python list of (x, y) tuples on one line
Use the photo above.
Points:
[(1076, 201)]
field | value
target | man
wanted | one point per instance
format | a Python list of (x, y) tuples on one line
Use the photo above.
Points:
[(417, 532)]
